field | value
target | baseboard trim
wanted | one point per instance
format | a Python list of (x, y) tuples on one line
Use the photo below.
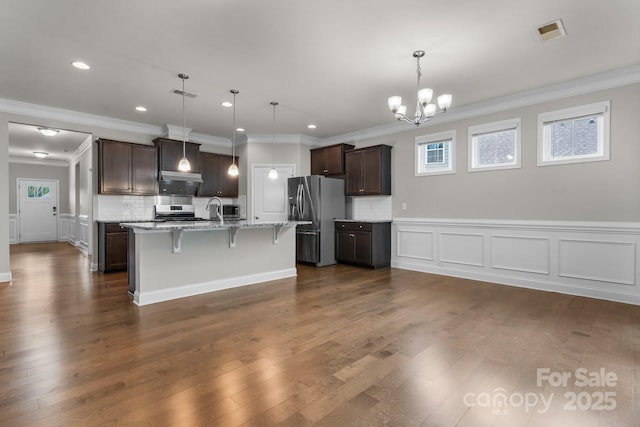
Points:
[(151, 297), (5, 277)]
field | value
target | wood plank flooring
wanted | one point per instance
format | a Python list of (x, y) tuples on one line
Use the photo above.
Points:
[(336, 346)]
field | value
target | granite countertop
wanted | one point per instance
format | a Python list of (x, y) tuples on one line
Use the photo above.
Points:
[(206, 225), (363, 220)]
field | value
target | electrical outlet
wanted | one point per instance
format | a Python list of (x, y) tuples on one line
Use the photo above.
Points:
[(404, 206)]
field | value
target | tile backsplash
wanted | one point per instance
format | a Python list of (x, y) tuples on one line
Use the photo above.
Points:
[(136, 208), (116, 208), (369, 208)]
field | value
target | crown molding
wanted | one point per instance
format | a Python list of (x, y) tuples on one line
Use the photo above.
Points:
[(76, 117), (81, 149), (267, 138), (39, 162), (616, 78), (596, 82), (202, 138)]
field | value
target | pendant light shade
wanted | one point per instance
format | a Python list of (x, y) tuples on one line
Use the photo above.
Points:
[(273, 172), (233, 169), (183, 164)]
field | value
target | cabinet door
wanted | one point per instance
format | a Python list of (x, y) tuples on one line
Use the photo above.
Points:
[(228, 186), (318, 162), (115, 167), (371, 169), (144, 170), (353, 172), (345, 245), (362, 247), (210, 175), (116, 251), (171, 153)]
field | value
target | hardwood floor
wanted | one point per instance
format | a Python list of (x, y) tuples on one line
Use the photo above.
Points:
[(336, 346)]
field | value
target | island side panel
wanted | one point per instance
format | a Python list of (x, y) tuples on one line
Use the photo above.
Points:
[(206, 263)]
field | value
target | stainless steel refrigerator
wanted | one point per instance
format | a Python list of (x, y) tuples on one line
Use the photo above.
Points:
[(320, 200)]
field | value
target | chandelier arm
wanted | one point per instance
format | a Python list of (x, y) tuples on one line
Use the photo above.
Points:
[(403, 117)]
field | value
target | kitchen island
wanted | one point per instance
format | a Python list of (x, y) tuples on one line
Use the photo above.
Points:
[(170, 260)]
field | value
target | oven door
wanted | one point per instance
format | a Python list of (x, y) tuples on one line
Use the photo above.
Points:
[(308, 246)]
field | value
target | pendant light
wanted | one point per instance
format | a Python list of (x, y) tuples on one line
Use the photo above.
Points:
[(184, 165), (273, 172), (233, 169)]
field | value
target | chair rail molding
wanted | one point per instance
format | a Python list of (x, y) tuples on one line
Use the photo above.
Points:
[(590, 259)]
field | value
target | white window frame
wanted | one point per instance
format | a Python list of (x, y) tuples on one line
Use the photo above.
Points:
[(423, 140), (544, 143), (494, 127)]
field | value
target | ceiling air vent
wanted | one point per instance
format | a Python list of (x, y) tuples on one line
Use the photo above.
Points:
[(187, 94), (552, 30)]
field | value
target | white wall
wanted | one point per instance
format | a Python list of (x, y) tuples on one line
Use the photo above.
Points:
[(5, 274), (596, 191)]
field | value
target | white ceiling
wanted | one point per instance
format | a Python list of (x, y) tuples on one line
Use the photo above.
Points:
[(331, 62), (25, 139)]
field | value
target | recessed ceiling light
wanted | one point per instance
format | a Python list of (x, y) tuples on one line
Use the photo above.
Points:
[(141, 108), (48, 132), (311, 126), (40, 154), (80, 65), (240, 129), (227, 104)]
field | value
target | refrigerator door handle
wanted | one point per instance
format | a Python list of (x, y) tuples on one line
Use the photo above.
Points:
[(302, 202), (299, 202)]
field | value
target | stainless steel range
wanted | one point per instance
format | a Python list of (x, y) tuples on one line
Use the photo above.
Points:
[(176, 213)]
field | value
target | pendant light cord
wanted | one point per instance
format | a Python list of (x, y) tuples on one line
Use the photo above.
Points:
[(233, 140), (184, 123), (273, 147)]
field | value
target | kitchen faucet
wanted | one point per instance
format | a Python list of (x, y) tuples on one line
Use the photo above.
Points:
[(218, 208)]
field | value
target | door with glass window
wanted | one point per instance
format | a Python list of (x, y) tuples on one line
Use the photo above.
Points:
[(37, 210)]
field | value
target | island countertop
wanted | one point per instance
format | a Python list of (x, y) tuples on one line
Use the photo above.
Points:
[(206, 225)]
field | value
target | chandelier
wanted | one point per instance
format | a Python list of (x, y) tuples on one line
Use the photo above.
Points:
[(425, 110)]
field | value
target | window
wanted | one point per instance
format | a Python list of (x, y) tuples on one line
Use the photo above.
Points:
[(494, 145), (578, 134), (38, 192), (435, 154)]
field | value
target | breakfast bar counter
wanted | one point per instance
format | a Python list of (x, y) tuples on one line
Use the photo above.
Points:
[(170, 260)]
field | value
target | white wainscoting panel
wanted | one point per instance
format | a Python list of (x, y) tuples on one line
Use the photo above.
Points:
[(462, 248), (521, 253), (607, 261), (82, 240), (13, 229), (67, 225), (415, 244), (592, 259)]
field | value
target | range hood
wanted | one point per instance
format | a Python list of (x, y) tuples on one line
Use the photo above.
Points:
[(180, 176)]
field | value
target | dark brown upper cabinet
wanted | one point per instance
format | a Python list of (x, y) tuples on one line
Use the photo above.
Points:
[(126, 168), (368, 171), (215, 179), (329, 161), (170, 153)]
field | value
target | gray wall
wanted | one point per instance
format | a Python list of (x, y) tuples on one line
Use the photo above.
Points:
[(595, 191), (60, 173)]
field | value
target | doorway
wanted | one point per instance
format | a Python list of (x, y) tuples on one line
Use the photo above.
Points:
[(37, 210)]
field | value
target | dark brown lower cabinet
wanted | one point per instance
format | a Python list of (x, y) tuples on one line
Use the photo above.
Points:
[(363, 243), (112, 247)]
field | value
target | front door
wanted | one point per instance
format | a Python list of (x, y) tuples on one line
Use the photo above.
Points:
[(270, 201), (37, 210)]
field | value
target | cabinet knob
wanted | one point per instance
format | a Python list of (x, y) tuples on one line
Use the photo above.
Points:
[(325, 171), (360, 226), (352, 235)]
